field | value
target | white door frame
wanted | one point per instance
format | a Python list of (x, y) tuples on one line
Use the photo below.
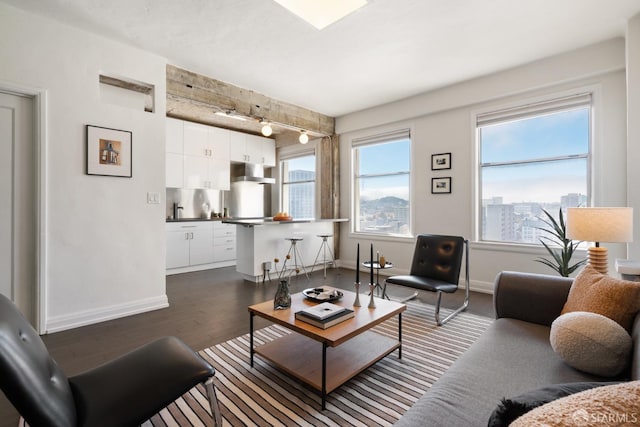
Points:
[(40, 101)]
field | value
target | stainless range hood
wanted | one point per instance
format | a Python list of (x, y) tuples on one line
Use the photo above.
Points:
[(249, 172)]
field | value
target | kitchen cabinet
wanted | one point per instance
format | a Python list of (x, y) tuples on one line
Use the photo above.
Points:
[(174, 170), (196, 140), (189, 243), (174, 129), (238, 147), (174, 151), (269, 152), (247, 148), (203, 158), (224, 242)]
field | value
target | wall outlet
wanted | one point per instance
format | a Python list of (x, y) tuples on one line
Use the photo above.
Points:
[(153, 198)]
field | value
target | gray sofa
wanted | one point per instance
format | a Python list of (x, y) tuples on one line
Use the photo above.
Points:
[(512, 357)]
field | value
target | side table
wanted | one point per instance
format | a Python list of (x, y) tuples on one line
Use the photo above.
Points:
[(376, 266)]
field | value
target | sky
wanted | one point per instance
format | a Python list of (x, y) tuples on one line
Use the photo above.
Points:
[(385, 158), (541, 137)]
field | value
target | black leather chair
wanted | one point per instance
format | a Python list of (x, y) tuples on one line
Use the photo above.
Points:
[(124, 392), (436, 265)]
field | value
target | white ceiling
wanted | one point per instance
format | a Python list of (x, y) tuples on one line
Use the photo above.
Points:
[(385, 51)]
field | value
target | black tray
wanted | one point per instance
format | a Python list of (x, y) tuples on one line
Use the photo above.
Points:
[(312, 294)]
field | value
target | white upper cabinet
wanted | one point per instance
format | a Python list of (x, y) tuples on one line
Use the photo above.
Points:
[(196, 140), (174, 170), (269, 152), (174, 130), (203, 161), (219, 143), (238, 147), (174, 140), (247, 148)]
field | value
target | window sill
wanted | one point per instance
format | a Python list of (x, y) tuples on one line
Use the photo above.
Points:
[(520, 248), (382, 237)]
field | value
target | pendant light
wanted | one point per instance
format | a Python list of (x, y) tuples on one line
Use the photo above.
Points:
[(267, 130), (303, 138)]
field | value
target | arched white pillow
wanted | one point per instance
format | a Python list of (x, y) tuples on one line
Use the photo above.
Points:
[(591, 343)]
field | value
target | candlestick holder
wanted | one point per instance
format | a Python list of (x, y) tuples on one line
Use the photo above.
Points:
[(372, 303), (356, 303)]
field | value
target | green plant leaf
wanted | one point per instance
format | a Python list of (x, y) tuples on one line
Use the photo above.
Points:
[(557, 236)]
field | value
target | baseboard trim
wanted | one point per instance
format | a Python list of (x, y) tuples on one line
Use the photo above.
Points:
[(200, 267), (89, 317), (478, 286)]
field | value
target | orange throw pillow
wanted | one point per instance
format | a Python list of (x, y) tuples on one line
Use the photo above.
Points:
[(592, 291)]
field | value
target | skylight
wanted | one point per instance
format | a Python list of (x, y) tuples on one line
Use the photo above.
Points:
[(321, 13)]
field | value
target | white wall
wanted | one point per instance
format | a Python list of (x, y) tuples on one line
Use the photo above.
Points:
[(443, 121), (633, 128), (105, 246)]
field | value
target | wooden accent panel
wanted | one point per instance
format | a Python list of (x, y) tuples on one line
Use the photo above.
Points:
[(330, 185), (126, 84), (205, 95)]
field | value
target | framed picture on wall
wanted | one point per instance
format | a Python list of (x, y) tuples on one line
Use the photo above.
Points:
[(441, 185), (440, 161), (108, 152)]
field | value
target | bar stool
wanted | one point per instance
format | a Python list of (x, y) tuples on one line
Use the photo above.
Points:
[(324, 247), (293, 254)]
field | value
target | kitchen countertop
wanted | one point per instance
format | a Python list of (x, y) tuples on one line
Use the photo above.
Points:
[(250, 222), (196, 219)]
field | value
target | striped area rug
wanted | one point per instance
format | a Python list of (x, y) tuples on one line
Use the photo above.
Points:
[(263, 396)]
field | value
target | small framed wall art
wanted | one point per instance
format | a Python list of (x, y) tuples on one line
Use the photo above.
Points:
[(440, 161), (108, 152), (441, 185)]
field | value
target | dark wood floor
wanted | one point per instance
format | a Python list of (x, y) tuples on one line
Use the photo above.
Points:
[(206, 308)]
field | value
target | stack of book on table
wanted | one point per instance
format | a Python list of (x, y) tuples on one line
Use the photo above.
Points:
[(324, 315)]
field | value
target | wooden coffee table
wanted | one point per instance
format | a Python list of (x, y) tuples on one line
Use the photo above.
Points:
[(345, 349)]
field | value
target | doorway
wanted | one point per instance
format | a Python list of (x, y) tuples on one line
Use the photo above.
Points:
[(18, 209)]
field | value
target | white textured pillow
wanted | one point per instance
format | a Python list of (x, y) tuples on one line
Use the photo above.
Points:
[(591, 343), (607, 406)]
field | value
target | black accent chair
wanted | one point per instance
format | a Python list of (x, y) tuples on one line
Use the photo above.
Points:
[(436, 265), (124, 392)]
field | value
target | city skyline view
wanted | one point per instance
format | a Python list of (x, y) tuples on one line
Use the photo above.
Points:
[(537, 159), (299, 186), (527, 164), (382, 180)]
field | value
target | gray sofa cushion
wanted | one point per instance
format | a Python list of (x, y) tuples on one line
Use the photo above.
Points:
[(511, 357)]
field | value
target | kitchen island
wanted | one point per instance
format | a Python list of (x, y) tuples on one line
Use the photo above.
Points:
[(262, 240)]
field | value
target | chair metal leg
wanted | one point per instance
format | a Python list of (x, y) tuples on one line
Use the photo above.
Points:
[(401, 300), (463, 307), (213, 402), (465, 304)]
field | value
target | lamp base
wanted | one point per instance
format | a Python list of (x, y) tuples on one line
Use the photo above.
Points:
[(598, 259)]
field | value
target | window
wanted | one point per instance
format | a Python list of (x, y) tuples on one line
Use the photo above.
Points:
[(382, 169), (532, 158), (298, 178)]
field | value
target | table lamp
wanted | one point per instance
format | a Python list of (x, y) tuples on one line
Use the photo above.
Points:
[(613, 225)]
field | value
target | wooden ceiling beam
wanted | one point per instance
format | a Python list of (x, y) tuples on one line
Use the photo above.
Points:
[(188, 91)]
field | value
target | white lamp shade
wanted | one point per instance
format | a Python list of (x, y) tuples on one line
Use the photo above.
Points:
[(614, 225)]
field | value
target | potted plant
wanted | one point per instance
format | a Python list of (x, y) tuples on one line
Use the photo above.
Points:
[(558, 245)]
